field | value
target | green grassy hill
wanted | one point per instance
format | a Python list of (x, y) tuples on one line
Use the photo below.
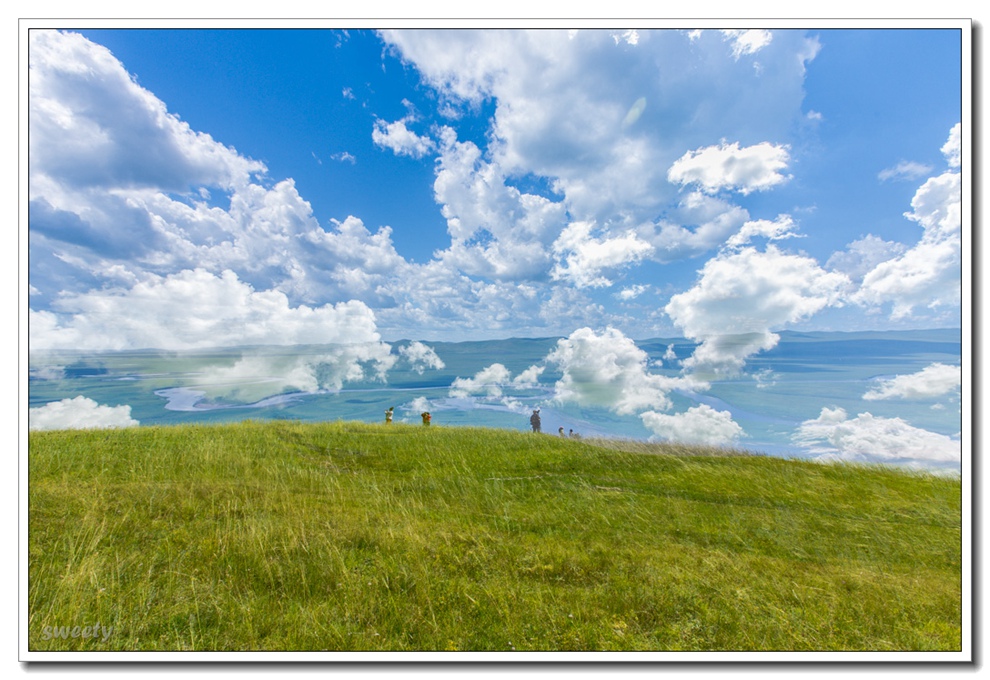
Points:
[(349, 536)]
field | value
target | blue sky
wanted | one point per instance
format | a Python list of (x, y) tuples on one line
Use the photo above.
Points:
[(198, 187)]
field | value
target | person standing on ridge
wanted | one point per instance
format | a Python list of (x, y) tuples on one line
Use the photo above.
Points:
[(426, 417), (388, 415), (534, 420)]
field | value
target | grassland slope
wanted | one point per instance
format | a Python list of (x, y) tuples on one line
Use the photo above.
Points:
[(350, 536)]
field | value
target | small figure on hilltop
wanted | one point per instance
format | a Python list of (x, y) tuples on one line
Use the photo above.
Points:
[(560, 431), (388, 415), (573, 435), (425, 415), (534, 420)]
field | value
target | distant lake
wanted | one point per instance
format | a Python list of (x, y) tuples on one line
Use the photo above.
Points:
[(778, 390)]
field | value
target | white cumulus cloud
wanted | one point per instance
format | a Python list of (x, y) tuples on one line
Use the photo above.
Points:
[(195, 309), (350, 260), (608, 370), (496, 230), (421, 356), (933, 381), (630, 37), (400, 139), (775, 230), (530, 377), (488, 381), (952, 149), (491, 384), (632, 292), (929, 273), (264, 372), (742, 296), (584, 256), (78, 94), (602, 119), (747, 41), (128, 206), (418, 405), (729, 167), (79, 413), (701, 425), (867, 438)]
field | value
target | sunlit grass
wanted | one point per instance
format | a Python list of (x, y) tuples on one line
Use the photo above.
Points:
[(349, 536)]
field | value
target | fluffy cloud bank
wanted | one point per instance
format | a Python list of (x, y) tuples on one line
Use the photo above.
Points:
[(496, 230), (489, 382), (124, 193), (421, 357), (260, 373), (492, 380), (584, 257), (929, 273), (747, 41), (729, 167), (130, 246), (933, 381), (867, 438), (600, 158), (602, 115), (78, 94), (605, 369), (79, 413), (400, 139), (776, 230), (495, 383), (128, 205), (608, 370), (195, 309), (701, 425), (742, 296)]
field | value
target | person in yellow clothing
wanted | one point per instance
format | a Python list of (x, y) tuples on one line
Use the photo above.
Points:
[(388, 414)]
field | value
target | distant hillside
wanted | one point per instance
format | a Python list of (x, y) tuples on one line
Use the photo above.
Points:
[(350, 536)]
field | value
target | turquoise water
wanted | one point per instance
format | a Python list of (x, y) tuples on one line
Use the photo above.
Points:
[(779, 390)]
